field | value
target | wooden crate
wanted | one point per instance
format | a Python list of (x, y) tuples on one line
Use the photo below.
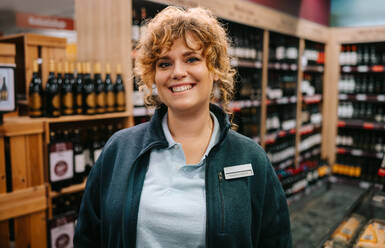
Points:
[(23, 194), (30, 47)]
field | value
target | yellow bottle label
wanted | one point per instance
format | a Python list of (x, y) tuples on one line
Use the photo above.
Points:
[(110, 101), (90, 100), (120, 101), (56, 102), (79, 100), (36, 101), (68, 103), (101, 99)]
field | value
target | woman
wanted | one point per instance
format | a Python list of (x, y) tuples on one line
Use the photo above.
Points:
[(184, 179)]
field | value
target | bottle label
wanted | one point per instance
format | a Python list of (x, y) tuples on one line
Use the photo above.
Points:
[(135, 32), (61, 161), (68, 103), (110, 101), (97, 154), (56, 102), (36, 101), (90, 100), (62, 232), (80, 163), (292, 53), (101, 100), (120, 99), (79, 100)]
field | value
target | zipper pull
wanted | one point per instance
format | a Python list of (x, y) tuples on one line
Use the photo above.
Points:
[(220, 176)]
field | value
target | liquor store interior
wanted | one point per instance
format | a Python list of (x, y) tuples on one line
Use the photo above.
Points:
[(307, 85)]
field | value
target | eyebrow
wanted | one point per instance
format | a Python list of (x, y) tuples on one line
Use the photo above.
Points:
[(185, 54)]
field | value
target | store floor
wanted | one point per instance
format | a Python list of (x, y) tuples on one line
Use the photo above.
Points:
[(318, 213)]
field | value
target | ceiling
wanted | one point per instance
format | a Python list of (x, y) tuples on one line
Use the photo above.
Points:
[(60, 8)]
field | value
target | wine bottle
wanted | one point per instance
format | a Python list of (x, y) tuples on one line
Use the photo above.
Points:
[(135, 26), (100, 90), (89, 99), (59, 76), (120, 94), (67, 93), (79, 157), (35, 94), (110, 94), (4, 91), (52, 93), (78, 89)]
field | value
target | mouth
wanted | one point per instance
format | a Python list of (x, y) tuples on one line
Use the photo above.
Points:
[(181, 88)]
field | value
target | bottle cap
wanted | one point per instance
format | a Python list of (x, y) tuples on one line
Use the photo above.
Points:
[(118, 69), (51, 65), (66, 67), (108, 68), (97, 68), (72, 67), (79, 68), (35, 66)]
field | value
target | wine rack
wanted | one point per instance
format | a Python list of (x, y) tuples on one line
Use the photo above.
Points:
[(361, 118)]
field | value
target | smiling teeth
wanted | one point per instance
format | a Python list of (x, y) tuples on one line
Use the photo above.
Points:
[(181, 88)]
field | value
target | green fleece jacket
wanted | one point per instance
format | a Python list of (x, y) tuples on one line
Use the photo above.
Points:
[(244, 212)]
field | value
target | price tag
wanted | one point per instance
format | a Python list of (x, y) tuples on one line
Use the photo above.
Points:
[(363, 68), (381, 98), (342, 96), (361, 97), (283, 100), (293, 99), (346, 69), (293, 67), (258, 64), (356, 152)]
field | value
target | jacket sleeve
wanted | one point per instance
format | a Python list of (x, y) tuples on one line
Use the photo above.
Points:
[(275, 230), (87, 230)]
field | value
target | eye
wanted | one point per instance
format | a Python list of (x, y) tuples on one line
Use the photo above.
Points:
[(163, 64), (192, 59)]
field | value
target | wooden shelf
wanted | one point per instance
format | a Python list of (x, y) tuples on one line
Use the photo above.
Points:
[(75, 118), (362, 97), (359, 152), (362, 68), (69, 190), (22, 202), (361, 124), (236, 106)]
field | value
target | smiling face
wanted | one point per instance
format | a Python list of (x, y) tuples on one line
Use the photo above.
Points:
[(182, 78)]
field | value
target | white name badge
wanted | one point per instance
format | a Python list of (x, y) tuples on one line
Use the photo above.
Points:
[(237, 171)]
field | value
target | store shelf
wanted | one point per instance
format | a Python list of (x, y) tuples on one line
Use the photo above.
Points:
[(362, 97), (75, 118), (236, 62), (362, 68), (312, 99), (282, 66), (309, 128), (312, 151), (313, 68), (69, 190), (283, 164), (236, 106), (271, 138), (361, 124), (359, 152), (283, 100)]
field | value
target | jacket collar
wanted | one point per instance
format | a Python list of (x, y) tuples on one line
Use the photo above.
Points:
[(154, 133)]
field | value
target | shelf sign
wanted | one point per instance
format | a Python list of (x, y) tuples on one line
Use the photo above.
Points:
[(26, 20), (368, 125), (341, 124), (378, 68)]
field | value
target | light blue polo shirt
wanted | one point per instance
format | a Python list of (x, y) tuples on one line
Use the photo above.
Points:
[(172, 209)]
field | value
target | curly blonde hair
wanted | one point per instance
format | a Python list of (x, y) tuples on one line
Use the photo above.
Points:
[(173, 23)]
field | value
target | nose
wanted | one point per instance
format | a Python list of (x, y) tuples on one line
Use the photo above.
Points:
[(179, 70)]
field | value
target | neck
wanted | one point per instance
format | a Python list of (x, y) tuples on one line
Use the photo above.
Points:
[(190, 125)]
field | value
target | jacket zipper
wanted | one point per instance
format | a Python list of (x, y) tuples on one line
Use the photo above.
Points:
[(220, 177)]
